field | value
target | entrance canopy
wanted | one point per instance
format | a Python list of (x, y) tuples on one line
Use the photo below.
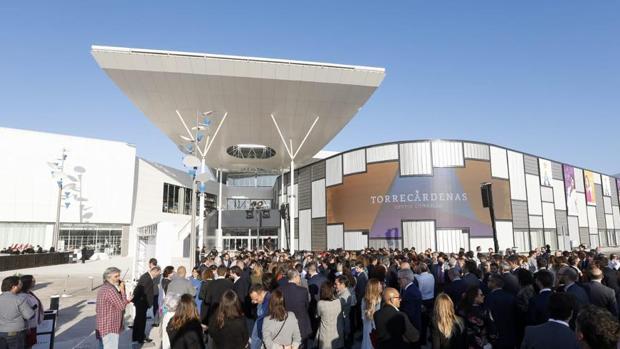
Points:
[(249, 90)]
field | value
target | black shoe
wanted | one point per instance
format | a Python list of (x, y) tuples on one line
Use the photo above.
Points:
[(148, 340), (155, 325)]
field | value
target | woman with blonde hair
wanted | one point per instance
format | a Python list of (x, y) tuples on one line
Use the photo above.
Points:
[(256, 277), (371, 303), (448, 329)]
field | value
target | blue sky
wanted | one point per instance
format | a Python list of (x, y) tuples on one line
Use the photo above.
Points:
[(538, 76)]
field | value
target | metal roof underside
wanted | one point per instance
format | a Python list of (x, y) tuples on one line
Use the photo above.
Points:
[(249, 89)]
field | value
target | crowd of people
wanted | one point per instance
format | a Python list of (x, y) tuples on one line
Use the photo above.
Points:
[(21, 311), (377, 297), (22, 249)]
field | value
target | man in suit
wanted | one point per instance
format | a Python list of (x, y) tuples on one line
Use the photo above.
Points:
[(241, 286), (456, 287), (511, 283), (361, 280), (502, 308), (315, 280), (156, 282), (538, 312), (143, 300), (610, 276), (411, 299), (568, 279), (296, 300), (393, 328), (215, 290), (470, 279), (554, 333), (599, 294), (438, 270)]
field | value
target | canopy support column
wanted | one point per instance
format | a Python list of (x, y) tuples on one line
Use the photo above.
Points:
[(292, 201), (219, 243)]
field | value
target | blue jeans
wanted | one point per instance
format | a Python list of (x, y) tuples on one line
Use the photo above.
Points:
[(109, 341), (12, 340)]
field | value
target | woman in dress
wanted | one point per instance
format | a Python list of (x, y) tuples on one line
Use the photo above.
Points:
[(477, 320), (207, 277), (330, 334), (448, 329), (184, 329), (371, 303), (280, 328), (227, 328), (195, 279)]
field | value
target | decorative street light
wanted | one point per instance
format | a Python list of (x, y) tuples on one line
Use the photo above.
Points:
[(58, 174), (197, 144)]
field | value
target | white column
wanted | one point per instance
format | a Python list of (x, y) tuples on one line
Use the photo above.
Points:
[(291, 205), (219, 243), (201, 211), (282, 238)]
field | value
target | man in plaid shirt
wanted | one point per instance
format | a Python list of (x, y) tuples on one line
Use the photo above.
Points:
[(111, 302)]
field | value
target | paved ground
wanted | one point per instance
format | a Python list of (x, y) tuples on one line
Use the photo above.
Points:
[(76, 321)]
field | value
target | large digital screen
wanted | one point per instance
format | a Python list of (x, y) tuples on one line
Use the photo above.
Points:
[(378, 200)]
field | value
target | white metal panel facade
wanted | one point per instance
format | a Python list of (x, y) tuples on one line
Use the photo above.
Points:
[(382, 153), (517, 176), (499, 163), (606, 184), (551, 239), (355, 240), (305, 230), (536, 222), (451, 240), (537, 238), (416, 159), (333, 170), (607, 204), (447, 154), (573, 228), (294, 192), (609, 221), (335, 236), (419, 234), (354, 161), (592, 223), (505, 235), (582, 211), (484, 243), (548, 215), (476, 151), (596, 177), (318, 198), (522, 241), (533, 194), (594, 241), (546, 194), (558, 195), (616, 213), (579, 180)]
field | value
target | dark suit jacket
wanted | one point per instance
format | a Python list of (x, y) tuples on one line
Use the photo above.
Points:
[(511, 283), (610, 279), (394, 330), (411, 304), (602, 296), (435, 271), (455, 290), (242, 289), (548, 336), (360, 286), (471, 280), (580, 295), (296, 301), (502, 307), (538, 312), (143, 293), (215, 290)]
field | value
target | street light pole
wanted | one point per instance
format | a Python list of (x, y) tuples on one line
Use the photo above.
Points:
[(59, 167)]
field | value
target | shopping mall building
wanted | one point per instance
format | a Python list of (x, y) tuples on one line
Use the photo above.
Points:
[(246, 128)]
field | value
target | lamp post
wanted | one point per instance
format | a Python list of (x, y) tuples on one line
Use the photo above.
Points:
[(58, 174), (192, 149)]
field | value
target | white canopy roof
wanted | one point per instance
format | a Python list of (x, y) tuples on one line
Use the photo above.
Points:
[(249, 90)]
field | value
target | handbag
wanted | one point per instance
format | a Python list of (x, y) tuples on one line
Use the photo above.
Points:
[(374, 337)]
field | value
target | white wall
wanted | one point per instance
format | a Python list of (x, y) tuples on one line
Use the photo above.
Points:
[(30, 192)]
